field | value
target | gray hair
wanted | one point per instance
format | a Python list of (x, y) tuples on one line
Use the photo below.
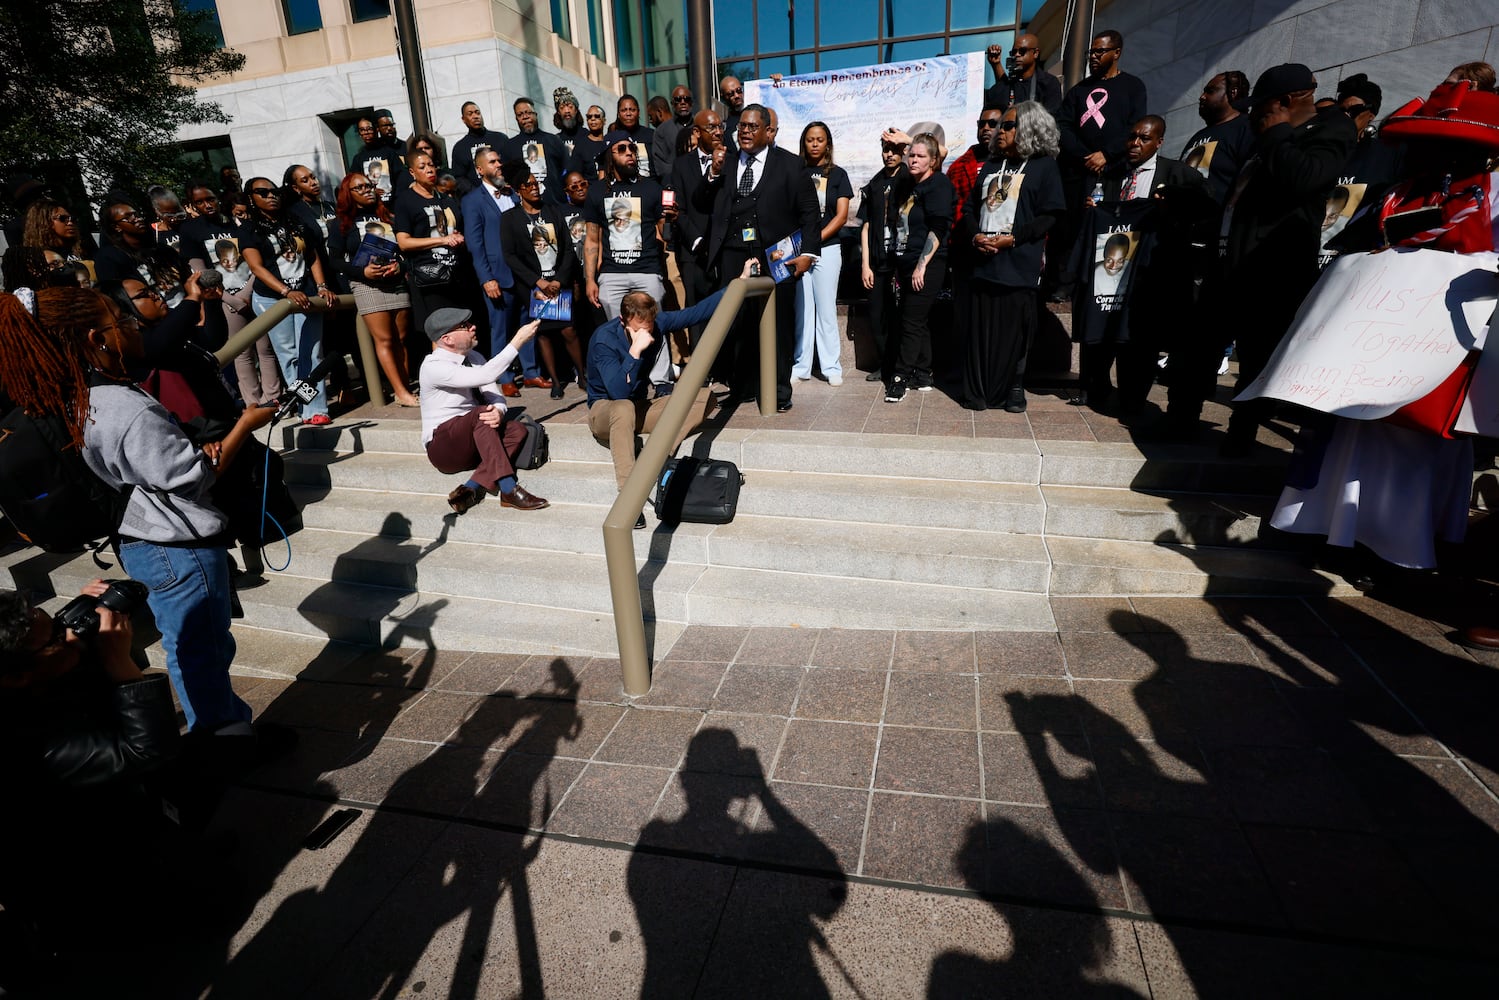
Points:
[(1036, 132)]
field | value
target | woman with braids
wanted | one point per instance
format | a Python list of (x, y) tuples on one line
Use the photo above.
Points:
[(283, 256), (171, 538), (131, 251), (379, 286)]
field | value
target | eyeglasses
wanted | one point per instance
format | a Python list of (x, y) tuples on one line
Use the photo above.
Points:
[(132, 214), (64, 219), (592, 115), (147, 293), (748, 127), (1099, 52), (361, 187), (682, 99), (1022, 50), (988, 123), (1008, 126), (265, 192)]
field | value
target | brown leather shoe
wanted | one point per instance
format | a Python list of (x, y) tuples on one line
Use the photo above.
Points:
[(510, 388), (538, 383), (521, 500), (463, 498), (1479, 637)]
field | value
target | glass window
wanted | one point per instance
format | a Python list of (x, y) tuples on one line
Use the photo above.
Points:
[(596, 43), (981, 41), (982, 13), (665, 32), (660, 84), (369, 10), (914, 17), (801, 62), (842, 22), (302, 16), (776, 64), (786, 24), (561, 18), (1029, 9), (912, 51), (627, 34), (743, 69), (210, 23), (862, 55), (734, 34)]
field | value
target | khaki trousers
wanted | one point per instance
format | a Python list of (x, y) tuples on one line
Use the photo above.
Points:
[(615, 422)]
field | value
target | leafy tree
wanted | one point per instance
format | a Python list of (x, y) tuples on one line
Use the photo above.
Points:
[(95, 90)]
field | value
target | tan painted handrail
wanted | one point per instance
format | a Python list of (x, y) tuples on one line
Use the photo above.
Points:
[(261, 325), (619, 525)]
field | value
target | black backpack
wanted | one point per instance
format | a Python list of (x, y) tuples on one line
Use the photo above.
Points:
[(536, 449), (47, 491)]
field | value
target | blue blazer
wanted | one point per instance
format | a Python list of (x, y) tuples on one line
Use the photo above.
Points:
[(481, 234)]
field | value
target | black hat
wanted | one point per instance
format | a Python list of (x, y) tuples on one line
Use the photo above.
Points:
[(1287, 78), (616, 137), (1358, 85)]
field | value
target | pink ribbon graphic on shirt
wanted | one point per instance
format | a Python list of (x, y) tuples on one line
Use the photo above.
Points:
[(1094, 111)]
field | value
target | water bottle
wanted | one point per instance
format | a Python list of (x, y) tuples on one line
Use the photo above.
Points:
[(1097, 196)]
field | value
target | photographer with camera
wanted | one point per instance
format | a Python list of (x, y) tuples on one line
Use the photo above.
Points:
[(80, 728)]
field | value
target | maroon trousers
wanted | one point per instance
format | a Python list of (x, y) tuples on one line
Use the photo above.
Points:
[(463, 443)]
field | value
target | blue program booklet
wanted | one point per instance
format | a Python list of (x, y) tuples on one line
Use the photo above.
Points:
[(783, 251), (560, 308), (373, 247)]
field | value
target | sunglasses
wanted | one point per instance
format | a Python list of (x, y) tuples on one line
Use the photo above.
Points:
[(266, 192), (988, 123), (64, 219), (1099, 52), (1022, 51), (684, 99), (592, 115), (1008, 126)]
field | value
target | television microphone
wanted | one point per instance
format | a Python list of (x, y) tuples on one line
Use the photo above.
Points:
[(303, 390)]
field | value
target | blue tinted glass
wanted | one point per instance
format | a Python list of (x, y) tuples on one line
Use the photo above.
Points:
[(779, 64), (779, 30), (561, 18), (301, 16), (734, 33), (980, 42), (982, 13), (911, 51), (627, 33), (1028, 9), (211, 25), (665, 32), (861, 55), (914, 17), (840, 21)]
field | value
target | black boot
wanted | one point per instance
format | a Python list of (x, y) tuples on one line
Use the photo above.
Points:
[(1015, 401)]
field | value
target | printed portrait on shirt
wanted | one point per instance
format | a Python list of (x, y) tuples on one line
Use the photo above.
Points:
[(378, 173), (577, 230), (1112, 260), (1200, 156), (903, 224), (544, 242), (224, 252), (373, 227), (440, 219), (536, 158), (1001, 196), (643, 159), (820, 183), (624, 229), (291, 255), (1342, 202)]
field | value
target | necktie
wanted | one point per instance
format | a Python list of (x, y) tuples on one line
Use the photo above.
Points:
[(1129, 186), (707, 161), (747, 179)]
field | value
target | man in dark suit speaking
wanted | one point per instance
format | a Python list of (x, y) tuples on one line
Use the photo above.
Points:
[(756, 199)]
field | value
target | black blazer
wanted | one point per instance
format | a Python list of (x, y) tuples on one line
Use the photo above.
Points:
[(787, 201), (1168, 173), (693, 223), (520, 254)]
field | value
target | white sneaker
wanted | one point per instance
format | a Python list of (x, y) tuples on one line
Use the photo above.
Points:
[(1223, 366), (835, 380)]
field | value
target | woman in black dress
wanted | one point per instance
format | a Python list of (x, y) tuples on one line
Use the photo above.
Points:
[(539, 252), (429, 230), (1016, 199)]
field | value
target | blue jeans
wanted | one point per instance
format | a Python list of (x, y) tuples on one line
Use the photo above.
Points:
[(817, 316), (190, 599), (298, 340), (505, 317)]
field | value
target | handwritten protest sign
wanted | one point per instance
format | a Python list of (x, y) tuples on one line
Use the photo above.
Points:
[(858, 104), (1480, 412), (1381, 330)]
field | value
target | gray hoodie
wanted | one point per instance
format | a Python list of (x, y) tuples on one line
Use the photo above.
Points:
[(131, 440)]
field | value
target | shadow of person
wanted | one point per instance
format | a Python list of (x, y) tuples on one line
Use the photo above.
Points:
[(405, 878), (780, 960), (1053, 953)]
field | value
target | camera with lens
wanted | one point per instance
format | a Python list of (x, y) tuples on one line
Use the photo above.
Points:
[(80, 616), (1012, 65)]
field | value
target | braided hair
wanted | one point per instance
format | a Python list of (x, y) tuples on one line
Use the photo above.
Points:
[(43, 361)]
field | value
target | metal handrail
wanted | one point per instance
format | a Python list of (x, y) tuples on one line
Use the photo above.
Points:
[(619, 524), (262, 324)]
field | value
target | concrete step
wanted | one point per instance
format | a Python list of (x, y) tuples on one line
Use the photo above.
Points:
[(1166, 517), (989, 460), (916, 502), (1106, 567)]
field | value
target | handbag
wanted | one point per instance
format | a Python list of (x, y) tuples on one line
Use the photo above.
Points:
[(435, 268), (698, 491)]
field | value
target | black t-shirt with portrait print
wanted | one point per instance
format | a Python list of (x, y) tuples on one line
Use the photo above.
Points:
[(425, 218), (1218, 151), (875, 210), (286, 247), (321, 220), (216, 243), (1113, 249), (626, 212), (577, 228), (1014, 198), (382, 161), (926, 208), (367, 222), (160, 267), (831, 183)]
